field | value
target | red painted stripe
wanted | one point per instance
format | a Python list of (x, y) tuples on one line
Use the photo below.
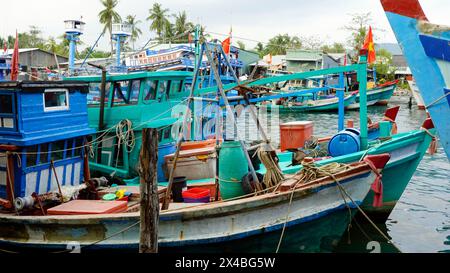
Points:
[(409, 8)]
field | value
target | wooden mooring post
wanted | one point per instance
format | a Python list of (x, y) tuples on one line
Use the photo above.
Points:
[(149, 212)]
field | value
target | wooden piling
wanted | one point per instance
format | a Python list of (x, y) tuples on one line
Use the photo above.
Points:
[(149, 211)]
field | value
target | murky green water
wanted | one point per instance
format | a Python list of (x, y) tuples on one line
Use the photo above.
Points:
[(420, 221)]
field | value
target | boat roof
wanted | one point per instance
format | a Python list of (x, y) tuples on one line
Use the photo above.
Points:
[(132, 76), (39, 85)]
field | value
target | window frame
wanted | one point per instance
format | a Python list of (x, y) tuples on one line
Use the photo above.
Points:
[(56, 108), (12, 115)]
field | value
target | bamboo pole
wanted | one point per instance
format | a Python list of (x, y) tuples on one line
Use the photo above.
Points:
[(228, 107), (149, 211), (166, 201)]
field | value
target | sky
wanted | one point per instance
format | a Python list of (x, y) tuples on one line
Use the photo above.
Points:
[(255, 20)]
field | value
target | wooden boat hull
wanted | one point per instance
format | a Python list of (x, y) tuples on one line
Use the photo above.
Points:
[(406, 150), (321, 106), (377, 96), (207, 224), (425, 47)]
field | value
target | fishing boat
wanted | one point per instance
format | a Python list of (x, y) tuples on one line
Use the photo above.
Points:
[(116, 155), (318, 105), (416, 94), (185, 224), (425, 47), (379, 95)]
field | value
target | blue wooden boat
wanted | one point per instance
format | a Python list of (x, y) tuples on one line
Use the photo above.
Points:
[(426, 47), (43, 128)]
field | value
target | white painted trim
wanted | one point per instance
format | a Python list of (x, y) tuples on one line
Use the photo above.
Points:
[(56, 108)]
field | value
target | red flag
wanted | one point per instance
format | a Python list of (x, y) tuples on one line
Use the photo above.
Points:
[(226, 45), (15, 60), (5, 47), (370, 46)]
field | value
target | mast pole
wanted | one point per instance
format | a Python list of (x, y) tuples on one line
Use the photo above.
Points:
[(362, 78)]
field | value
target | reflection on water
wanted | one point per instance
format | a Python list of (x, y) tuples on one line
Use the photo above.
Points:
[(420, 221)]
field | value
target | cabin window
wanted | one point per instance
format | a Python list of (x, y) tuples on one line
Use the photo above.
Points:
[(56, 100), (134, 94), (31, 156), (58, 150), (121, 92), (94, 96), (162, 88), (167, 133), (79, 142), (150, 90), (43, 157), (175, 87), (7, 115)]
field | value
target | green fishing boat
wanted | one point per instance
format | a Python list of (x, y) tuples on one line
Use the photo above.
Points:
[(149, 100)]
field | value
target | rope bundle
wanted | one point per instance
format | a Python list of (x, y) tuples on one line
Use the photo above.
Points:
[(274, 175), (312, 172)]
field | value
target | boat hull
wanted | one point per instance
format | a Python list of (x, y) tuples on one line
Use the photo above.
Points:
[(430, 71), (377, 96), (209, 224), (322, 106), (406, 150)]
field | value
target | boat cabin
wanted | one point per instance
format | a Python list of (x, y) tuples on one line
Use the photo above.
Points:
[(41, 123), (139, 100)]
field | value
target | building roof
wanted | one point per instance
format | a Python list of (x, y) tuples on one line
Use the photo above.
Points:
[(24, 50), (303, 55)]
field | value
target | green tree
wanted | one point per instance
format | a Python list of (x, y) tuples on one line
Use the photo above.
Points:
[(158, 17), (182, 26), (135, 30), (335, 48), (280, 43), (109, 16), (384, 65), (241, 45), (358, 28)]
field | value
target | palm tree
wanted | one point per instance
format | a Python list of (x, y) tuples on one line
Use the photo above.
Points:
[(135, 31), (108, 16), (182, 26), (158, 16)]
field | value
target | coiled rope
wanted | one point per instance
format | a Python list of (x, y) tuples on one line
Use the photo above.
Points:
[(274, 175)]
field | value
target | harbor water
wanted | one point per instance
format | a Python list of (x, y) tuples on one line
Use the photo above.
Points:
[(420, 221)]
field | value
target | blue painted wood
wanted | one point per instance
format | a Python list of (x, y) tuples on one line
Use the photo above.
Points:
[(436, 47), (35, 125), (446, 92), (426, 71)]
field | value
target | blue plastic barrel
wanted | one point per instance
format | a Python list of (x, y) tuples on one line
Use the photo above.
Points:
[(344, 143), (163, 150)]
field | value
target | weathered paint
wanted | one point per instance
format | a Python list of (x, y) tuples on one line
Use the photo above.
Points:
[(407, 19), (210, 223)]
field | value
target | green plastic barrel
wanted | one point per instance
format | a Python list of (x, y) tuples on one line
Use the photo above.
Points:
[(233, 166)]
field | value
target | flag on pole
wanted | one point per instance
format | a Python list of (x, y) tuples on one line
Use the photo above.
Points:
[(226, 44), (5, 47), (15, 60), (370, 46)]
